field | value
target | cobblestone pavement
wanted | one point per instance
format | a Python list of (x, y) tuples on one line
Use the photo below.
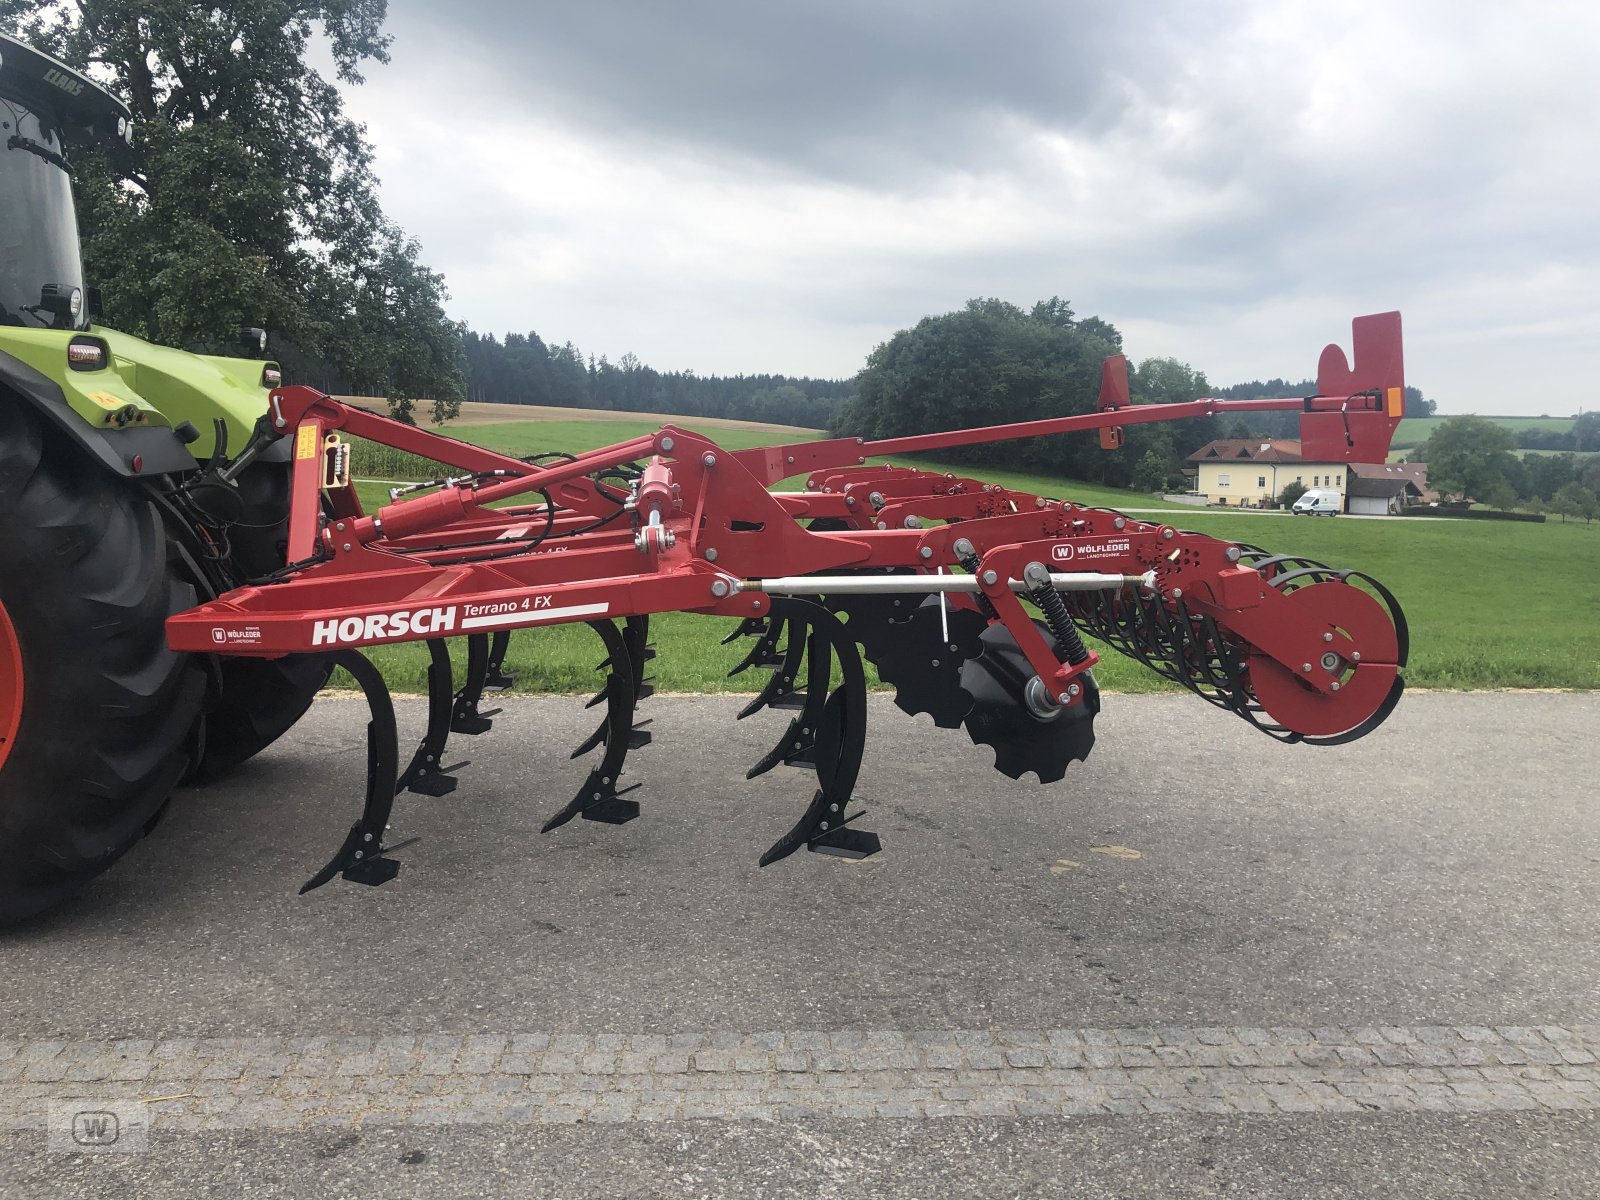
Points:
[(288, 1082)]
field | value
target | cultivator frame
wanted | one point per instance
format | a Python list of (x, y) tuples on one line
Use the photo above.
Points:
[(922, 573)]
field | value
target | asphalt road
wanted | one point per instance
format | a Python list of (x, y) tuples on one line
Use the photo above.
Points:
[(1441, 874)]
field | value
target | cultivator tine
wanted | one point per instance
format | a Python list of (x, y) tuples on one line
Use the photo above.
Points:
[(839, 740), (749, 627), (636, 633), (765, 652), (780, 691), (636, 640), (797, 747), (596, 738), (427, 775), (361, 858), (599, 799), (496, 677), (464, 715)]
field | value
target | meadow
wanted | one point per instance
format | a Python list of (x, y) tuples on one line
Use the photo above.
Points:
[(1413, 431), (1489, 604)]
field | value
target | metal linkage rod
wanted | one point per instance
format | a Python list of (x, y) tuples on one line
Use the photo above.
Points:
[(824, 585)]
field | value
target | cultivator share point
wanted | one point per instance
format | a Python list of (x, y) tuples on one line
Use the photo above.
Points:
[(928, 576)]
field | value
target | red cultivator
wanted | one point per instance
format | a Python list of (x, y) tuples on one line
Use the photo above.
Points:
[(926, 573)]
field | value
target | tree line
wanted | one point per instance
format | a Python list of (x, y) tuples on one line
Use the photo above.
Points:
[(1472, 458), (524, 369), (1583, 437)]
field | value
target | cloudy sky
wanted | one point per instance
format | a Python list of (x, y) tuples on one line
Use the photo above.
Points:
[(737, 187)]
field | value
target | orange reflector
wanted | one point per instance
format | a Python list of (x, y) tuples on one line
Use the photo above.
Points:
[(1395, 401)]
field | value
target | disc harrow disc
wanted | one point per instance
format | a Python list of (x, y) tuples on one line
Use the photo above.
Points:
[(925, 669), (997, 681)]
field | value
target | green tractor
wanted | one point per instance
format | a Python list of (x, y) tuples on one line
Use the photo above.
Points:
[(119, 505)]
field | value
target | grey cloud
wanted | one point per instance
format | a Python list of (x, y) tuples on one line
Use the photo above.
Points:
[(1237, 167), (843, 88)]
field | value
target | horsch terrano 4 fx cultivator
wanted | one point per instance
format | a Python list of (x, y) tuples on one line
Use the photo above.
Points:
[(926, 575)]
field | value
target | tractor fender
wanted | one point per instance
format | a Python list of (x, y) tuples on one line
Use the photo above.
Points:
[(157, 449)]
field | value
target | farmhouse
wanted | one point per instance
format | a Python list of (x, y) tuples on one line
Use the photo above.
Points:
[(1251, 472), (1380, 489)]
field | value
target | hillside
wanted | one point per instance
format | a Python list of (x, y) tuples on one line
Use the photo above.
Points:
[(1414, 431)]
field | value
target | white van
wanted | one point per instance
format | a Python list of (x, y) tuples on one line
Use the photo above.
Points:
[(1319, 502)]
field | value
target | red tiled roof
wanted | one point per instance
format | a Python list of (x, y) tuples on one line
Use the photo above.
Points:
[(1417, 473), (1248, 450)]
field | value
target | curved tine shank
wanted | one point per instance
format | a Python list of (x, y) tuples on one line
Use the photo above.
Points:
[(361, 855), (598, 799)]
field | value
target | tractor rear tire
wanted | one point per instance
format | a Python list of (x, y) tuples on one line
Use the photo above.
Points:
[(262, 698), (96, 713)]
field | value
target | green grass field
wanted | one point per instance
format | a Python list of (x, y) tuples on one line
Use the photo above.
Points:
[(575, 436), (1489, 604), (1413, 431)]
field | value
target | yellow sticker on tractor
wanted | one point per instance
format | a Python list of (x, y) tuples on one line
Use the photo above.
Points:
[(305, 442)]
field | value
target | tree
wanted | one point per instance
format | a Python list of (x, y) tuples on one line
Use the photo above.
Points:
[(1292, 491), (247, 197), (1590, 475), (1151, 473), (1574, 500), (990, 363), (1415, 405), (1470, 457), (1586, 432)]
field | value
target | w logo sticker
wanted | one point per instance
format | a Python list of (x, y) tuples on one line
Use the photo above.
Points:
[(98, 1126)]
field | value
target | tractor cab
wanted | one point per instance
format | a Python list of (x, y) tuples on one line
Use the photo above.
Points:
[(43, 105)]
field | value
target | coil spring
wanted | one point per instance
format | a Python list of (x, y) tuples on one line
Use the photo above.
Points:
[(970, 562), (1068, 642)]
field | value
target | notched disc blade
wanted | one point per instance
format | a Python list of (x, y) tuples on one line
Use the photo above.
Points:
[(1000, 718), (922, 666)]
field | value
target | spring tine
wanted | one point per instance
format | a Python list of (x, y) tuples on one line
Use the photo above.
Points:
[(749, 627), (465, 716), (599, 798), (497, 678), (426, 774), (781, 683), (797, 836), (763, 653), (800, 737), (839, 745), (596, 738), (635, 641), (360, 858), (636, 636)]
